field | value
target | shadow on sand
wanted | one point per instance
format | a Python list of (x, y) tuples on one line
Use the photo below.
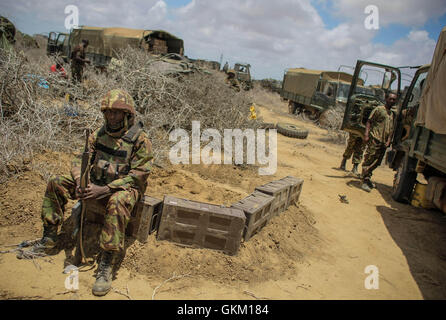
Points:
[(421, 236)]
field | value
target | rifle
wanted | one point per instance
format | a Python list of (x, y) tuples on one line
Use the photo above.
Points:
[(85, 170)]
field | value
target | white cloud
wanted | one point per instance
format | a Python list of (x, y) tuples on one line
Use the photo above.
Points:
[(412, 13), (271, 36)]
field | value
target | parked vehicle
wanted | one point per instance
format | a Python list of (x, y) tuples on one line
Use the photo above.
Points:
[(419, 140), (104, 43), (314, 91)]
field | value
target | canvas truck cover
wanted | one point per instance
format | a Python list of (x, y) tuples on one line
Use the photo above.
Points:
[(304, 81), (340, 76), (301, 81), (107, 41), (432, 110)]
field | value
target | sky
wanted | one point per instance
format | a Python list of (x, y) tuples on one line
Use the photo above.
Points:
[(270, 35)]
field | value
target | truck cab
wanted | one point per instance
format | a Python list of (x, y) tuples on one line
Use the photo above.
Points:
[(243, 75), (58, 45), (368, 92)]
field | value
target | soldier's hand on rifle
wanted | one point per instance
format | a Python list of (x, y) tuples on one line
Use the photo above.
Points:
[(78, 191), (93, 191)]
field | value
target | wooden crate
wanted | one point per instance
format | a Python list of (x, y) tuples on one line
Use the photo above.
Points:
[(201, 225), (278, 190), (257, 209)]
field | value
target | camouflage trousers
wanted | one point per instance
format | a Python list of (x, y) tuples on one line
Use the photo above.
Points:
[(77, 73), (355, 147), (373, 157), (117, 214)]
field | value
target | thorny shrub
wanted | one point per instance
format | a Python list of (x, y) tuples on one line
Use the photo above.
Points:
[(35, 114)]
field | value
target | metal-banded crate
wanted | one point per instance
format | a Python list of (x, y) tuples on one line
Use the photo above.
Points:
[(201, 225), (278, 190), (257, 209), (295, 189), (144, 218)]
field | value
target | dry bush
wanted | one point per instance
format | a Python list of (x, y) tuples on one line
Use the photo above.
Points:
[(34, 118), (264, 97), (331, 120)]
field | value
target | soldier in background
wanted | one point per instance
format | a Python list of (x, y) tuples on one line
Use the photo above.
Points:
[(377, 136), (232, 81), (121, 160), (355, 147), (78, 61), (226, 67)]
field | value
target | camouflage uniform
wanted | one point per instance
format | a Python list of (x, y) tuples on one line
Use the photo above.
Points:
[(381, 126), (355, 147), (122, 161), (77, 65), (232, 81)]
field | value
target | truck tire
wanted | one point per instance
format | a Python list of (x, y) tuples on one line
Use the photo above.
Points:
[(267, 125), (404, 180), (290, 130)]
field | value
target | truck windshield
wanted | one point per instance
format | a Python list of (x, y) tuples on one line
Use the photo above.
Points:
[(343, 90)]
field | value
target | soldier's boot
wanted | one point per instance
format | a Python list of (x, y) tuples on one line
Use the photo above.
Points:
[(104, 276), (371, 184), (366, 185), (45, 244), (344, 161), (355, 169)]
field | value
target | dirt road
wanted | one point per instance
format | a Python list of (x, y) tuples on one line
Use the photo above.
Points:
[(316, 250)]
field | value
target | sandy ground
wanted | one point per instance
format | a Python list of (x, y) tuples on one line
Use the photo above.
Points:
[(318, 249)]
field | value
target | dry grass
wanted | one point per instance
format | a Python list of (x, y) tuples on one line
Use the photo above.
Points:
[(34, 118), (264, 97)]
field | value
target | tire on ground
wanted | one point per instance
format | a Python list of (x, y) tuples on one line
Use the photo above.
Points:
[(290, 130), (268, 125), (404, 180)]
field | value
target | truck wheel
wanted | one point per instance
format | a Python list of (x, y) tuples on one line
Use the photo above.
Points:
[(290, 130), (404, 180)]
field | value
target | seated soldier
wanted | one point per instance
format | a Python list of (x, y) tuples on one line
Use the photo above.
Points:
[(121, 160), (232, 81)]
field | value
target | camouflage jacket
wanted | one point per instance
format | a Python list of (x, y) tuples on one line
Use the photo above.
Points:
[(78, 56), (119, 163), (233, 83), (381, 123)]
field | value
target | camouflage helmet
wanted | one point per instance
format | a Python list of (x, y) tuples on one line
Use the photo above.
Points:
[(231, 71), (118, 99)]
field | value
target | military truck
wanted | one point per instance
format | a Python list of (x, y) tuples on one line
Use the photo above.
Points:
[(243, 75), (58, 44), (419, 139), (314, 91), (104, 43)]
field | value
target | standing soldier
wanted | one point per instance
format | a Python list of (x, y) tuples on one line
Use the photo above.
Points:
[(78, 61), (120, 165), (355, 147), (378, 131), (232, 81)]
